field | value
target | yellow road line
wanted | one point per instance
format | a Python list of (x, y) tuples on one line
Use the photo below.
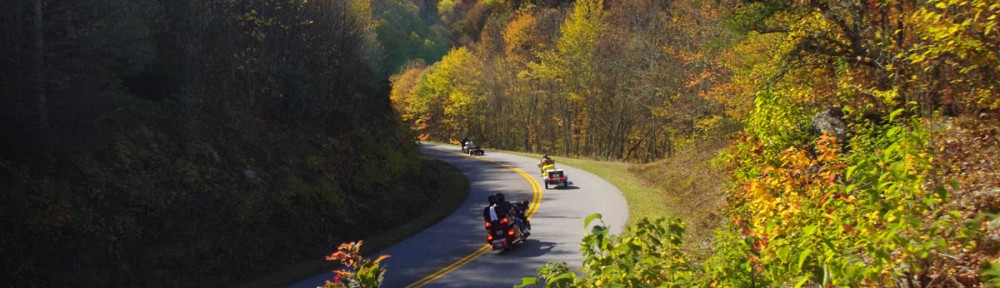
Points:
[(532, 208), (447, 269)]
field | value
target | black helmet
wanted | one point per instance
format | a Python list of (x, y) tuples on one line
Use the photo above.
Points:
[(500, 198), (492, 199)]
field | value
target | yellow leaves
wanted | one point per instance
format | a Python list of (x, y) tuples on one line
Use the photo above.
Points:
[(520, 36), (957, 37), (446, 6), (402, 95)]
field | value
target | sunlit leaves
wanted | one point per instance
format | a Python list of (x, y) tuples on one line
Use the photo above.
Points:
[(961, 37), (840, 218), (447, 6), (404, 89), (571, 63), (520, 37)]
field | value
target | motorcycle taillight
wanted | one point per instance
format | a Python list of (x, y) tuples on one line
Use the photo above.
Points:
[(487, 224), (503, 221), (510, 232)]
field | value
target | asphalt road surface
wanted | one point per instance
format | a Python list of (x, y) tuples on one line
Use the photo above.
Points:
[(453, 252)]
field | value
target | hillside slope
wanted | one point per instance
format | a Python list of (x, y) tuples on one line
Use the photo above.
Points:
[(193, 143)]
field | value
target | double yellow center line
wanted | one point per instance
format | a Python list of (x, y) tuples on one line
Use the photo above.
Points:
[(532, 208)]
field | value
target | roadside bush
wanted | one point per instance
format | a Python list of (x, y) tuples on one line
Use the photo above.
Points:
[(649, 255), (857, 218)]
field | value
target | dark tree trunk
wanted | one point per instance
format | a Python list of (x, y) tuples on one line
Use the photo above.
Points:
[(43, 118)]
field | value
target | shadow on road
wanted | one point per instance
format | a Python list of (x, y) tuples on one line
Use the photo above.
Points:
[(530, 248)]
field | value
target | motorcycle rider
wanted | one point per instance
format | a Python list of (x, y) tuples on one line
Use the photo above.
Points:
[(519, 216), (546, 161)]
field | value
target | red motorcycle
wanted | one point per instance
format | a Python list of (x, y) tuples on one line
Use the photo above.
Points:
[(505, 233)]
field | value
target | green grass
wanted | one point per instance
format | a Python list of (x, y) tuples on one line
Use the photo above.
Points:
[(695, 187), (454, 188)]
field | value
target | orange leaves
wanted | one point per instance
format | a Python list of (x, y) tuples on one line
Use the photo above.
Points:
[(787, 196), (404, 90), (347, 253), (520, 37)]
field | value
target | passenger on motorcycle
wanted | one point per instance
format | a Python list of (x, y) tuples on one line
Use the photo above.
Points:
[(518, 214)]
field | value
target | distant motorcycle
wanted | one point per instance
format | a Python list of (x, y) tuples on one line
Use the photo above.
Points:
[(472, 149), (555, 177), (504, 233), (477, 151)]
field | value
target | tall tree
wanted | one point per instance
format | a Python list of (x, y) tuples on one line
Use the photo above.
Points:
[(42, 110), (571, 70)]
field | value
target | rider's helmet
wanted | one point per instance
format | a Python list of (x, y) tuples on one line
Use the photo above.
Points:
[(500, 198), (492, 199)]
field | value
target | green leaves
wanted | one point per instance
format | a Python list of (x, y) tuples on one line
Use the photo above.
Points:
[(803, 256), (592, 217), (893, 114)]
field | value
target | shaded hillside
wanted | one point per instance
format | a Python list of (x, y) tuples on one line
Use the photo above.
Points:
[(192, 143), (409, 31)]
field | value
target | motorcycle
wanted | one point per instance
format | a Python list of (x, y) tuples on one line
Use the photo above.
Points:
[(504, 233), (477, 151), (555, 177)]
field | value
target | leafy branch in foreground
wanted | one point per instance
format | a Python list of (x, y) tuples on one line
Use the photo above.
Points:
[(358, 271)]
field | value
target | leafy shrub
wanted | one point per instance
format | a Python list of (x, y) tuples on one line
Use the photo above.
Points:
[(648, 256)]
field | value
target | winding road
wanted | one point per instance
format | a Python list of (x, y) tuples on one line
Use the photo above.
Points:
[(453, 252)]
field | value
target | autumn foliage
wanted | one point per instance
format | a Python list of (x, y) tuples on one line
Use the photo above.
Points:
[(593, 78), (885, 201)]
